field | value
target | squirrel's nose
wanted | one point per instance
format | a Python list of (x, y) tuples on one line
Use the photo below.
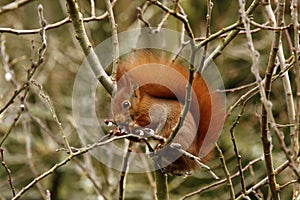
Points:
[(122, 120)]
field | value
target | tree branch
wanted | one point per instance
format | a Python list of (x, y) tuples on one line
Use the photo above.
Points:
[(81, 36)]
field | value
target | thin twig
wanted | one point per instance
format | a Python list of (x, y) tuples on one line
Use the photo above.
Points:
[(248, 95), (286, 81), (125, 166), (30, 72), (12, 98), (218, 34), (14, 5), (44, 127), (149, 175), (26, 127), (50, 26), (242, 87), (115, 40), (195, 158), (208, 17), (192, 69), (93, 10), (264, 181), (11, 127), (56, 24), (48, 195), (140, 16), (265, 27), (266, 104), (183, 44), (162, 22), (89, 175), (281, 187), (187, 102), (53, 112), (34, 64), (236, 151), (8, 172), (141, 10), (295, 129), (217, 183), (181, 17), (229, 37), (227, 174), (76, 152)]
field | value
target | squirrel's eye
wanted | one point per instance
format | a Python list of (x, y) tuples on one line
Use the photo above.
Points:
[(126, 104)]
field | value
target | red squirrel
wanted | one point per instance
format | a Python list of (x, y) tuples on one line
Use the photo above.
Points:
[(151, 93)]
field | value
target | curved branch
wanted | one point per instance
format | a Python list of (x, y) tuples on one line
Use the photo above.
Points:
[(81, 36)]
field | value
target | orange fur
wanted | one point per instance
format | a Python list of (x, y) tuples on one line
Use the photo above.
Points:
[(157, 99)]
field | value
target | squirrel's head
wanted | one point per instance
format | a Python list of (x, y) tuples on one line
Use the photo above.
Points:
[(125, 101), (120, 106)]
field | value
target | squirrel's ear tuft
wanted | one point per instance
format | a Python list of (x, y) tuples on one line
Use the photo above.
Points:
[(131, 83), (132, 86)]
